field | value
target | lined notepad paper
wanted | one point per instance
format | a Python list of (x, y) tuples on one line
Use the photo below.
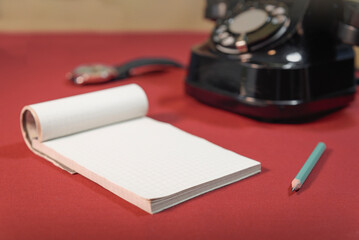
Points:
[(151, 164)]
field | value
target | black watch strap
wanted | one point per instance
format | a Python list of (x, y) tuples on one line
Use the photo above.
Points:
[(128, 69)]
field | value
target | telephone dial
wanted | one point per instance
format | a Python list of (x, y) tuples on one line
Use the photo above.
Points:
[(277, 60)]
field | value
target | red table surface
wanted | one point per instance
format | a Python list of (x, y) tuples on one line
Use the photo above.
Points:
[(41, 201)]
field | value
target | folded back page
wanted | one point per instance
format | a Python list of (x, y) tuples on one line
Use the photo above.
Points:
[(66, 116), (74, 114)]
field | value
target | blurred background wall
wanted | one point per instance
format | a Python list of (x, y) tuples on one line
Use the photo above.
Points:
[(103, 15)]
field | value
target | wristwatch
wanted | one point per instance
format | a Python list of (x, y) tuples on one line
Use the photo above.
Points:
[(99, 73)]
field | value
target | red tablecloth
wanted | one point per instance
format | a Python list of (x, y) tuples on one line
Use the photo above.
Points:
[(41, 201)]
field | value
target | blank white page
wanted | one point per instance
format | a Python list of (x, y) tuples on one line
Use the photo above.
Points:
[(149, 158)]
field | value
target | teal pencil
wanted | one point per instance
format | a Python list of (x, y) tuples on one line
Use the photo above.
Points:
[(307, 167)]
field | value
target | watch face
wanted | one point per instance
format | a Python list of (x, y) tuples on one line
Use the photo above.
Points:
[(94, 70), (97, 73), (252, 25)]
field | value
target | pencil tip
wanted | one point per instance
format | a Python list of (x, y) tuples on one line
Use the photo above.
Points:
[(293, 189)]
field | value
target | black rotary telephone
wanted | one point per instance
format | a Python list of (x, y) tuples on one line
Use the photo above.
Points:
[(277, 60)]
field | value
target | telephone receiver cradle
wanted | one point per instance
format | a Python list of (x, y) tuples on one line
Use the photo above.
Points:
[(277, 60)]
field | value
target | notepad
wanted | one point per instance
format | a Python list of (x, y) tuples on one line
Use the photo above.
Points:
[(107, 137)]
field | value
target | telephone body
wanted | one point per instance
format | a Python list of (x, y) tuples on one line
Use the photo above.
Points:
[(277, 60)]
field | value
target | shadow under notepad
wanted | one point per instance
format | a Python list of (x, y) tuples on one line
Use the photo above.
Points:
[(12, 152)]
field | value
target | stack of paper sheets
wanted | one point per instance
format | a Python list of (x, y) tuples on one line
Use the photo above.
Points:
[(106, 137)]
